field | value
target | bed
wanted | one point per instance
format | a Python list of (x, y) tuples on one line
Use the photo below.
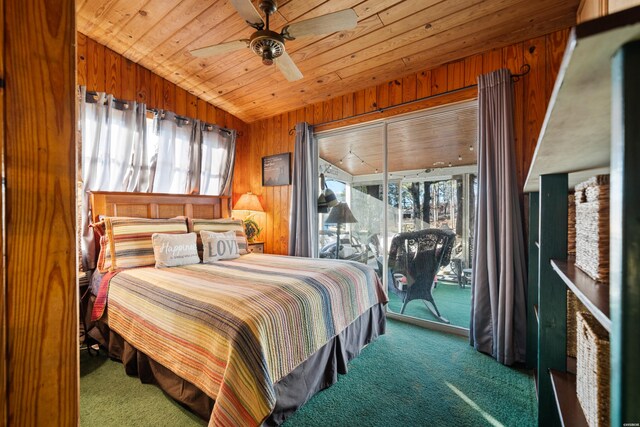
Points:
[(240, 342)]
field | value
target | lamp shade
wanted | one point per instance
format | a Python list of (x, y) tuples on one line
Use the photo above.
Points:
[(340, 214), (330, 198), (248, 202), (327, 198)]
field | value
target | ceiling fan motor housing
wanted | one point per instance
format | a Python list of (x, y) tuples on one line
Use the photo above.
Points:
[(269, 7), (267, 44)]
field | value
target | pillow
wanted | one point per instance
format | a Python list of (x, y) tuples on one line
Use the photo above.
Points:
[(221, 225), (346, 251), (218, 246), (172, 250), (128, 244), (104, 255)]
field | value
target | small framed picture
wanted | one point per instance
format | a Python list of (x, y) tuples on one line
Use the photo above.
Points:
[(276, 170)]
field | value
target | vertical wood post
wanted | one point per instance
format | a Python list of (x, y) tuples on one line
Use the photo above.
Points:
[(625, 236), (40, 170), (552, 293), (532, 289), (3, 313)]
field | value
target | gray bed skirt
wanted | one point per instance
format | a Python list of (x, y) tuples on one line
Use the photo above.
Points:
[(316, 373)]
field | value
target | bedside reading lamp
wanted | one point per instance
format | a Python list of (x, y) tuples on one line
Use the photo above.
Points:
[(340, 214), (250, 202)]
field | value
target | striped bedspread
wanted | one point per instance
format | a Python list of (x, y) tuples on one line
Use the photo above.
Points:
[(236, 327)]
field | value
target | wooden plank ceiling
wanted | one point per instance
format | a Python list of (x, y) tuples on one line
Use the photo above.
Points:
[(433, 139), (393, 38)]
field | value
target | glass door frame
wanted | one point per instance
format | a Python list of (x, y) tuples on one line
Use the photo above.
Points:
[(382, 124)]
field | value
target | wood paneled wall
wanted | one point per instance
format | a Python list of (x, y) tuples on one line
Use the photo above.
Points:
[(532, 93), (103, 70), (40, 234)]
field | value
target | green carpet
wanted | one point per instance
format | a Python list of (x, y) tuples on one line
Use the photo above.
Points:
[(453, 302), (108, 397), (408, 377)]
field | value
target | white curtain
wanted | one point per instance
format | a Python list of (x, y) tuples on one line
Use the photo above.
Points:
[(218, 159), (174, 138), (110, 131), (123, 149), (139, 175)]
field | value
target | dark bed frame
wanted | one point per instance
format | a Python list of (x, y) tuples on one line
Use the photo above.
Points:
[(317, 373)]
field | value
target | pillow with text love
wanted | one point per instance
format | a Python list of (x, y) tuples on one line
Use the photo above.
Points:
[(219, 246)]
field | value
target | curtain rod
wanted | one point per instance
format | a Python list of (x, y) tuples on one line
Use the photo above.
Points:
[(526, 68), (209, 126), (92, 97)]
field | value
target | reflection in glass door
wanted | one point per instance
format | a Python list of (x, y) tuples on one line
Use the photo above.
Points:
[(352, 164)]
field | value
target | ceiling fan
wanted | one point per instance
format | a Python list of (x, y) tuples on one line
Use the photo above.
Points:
[(268, 44)]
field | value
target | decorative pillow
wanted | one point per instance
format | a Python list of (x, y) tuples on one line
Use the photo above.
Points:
[(218, 246), (128, 243), (104, 255), (220, 226), (172, 250)]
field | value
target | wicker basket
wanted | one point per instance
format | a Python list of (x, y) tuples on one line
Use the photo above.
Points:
[(571, 226), (574, 306), (592, 227), (592, 382)]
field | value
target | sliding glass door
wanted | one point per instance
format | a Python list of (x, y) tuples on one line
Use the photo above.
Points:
[(409, 184)]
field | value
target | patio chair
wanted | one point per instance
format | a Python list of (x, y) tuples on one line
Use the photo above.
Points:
[(414, 260)]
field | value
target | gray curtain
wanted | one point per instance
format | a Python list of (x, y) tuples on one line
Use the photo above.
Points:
[(303, 224), (498, 313)]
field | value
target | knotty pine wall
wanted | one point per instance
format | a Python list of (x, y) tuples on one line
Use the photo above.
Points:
[(103, 70), (3, 286), (40, 353), (532, 93)]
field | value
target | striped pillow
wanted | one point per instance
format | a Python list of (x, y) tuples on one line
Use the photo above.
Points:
[(128, 243), (104, 256), (220, 226)]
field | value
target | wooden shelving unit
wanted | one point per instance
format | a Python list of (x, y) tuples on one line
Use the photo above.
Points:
[(594, 296), (569, 409), (591, 127)]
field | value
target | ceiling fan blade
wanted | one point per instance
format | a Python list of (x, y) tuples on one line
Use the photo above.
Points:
[(218, 49), (287, 67), (325, 24), (247, 11)]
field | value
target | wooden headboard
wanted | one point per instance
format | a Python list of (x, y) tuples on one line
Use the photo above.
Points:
[(149, 205)]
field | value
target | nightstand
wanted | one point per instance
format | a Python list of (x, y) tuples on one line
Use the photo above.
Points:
[(256, 247), (84, 284)]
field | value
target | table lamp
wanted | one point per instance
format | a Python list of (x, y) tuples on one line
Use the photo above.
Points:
[(340, 214), (250, 202)]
